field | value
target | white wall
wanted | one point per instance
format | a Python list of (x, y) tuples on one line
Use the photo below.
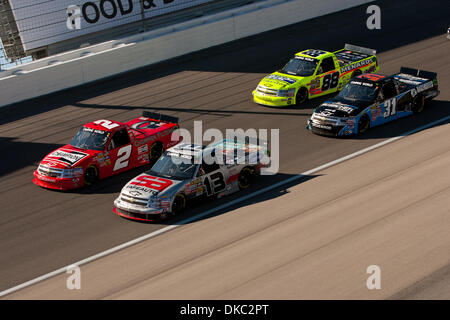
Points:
[(92, 63)]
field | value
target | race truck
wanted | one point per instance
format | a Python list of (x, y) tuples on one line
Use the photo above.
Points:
[(369, 100), (104, 148), (190, 171), (314, 73)]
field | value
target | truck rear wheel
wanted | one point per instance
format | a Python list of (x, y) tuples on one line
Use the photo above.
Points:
[(418, 104), (156, 151), (246, 177)]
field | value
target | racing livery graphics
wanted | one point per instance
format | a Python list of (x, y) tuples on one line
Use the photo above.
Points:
[(182, 174), (369, 100), (67, 156), (314, 73), (104, 148)]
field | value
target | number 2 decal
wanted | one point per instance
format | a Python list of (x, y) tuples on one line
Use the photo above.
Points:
[(123, 156), (390, 107), (107, 124)]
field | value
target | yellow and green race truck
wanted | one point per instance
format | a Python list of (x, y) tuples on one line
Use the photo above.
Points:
[(313, 73)]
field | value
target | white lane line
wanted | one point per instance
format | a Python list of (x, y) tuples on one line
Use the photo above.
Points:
[(223, 206)]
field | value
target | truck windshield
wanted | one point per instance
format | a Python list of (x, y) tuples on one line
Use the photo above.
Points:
[(361, 91), (300, 66), (87, 138), (174, 167)]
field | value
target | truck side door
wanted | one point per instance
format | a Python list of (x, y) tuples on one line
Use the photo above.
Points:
[(389, 108), (329, 76), (121, 153), (213, 177)]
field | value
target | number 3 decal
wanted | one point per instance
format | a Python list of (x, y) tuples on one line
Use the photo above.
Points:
[(123, 156)]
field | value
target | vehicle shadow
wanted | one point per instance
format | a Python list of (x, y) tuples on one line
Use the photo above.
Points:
[(434, 110), (20, 154), (232, 202), (216, 112)]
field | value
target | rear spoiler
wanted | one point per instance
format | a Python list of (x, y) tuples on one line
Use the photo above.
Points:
[(160, 117), (419, 73), (352, 47)]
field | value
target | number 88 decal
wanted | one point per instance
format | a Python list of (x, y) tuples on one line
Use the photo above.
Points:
[(330, 81)]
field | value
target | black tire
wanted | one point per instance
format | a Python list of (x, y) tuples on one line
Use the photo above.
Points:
[(156, 151), (363, 123), (418, 104), (178, 204), (301, 96), (246, 178), (91, 175)]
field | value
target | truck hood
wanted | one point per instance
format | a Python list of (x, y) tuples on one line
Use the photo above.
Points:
[(145, 185), (279, 81), (336, 109), (67, 157)]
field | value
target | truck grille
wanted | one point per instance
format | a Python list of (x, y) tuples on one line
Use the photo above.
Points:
[(265, 90), (325, 120), (49, 171), (133, 200)]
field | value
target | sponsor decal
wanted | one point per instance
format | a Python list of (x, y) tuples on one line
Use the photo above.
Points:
[(69, 157), (143, 149), (103, 159), (47, 179), (375, 113), (147, 125), (411, 77), (425, 86), (305, 58), (321, 126), (314, 83), (350, 123), (195, 186), (281, 78), (356, 65), (359, 83), (135, 193), (339, 106), (78, 172), (412, 82), (313, 52)]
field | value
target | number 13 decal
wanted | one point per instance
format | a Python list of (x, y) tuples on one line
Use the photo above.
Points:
[(218, 183), (123, 158)]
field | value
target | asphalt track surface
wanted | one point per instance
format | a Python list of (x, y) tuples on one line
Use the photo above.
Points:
[(41, 230), (318, 244)]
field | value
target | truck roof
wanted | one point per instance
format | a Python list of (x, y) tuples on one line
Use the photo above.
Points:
[(225, 146), (313, 53)]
